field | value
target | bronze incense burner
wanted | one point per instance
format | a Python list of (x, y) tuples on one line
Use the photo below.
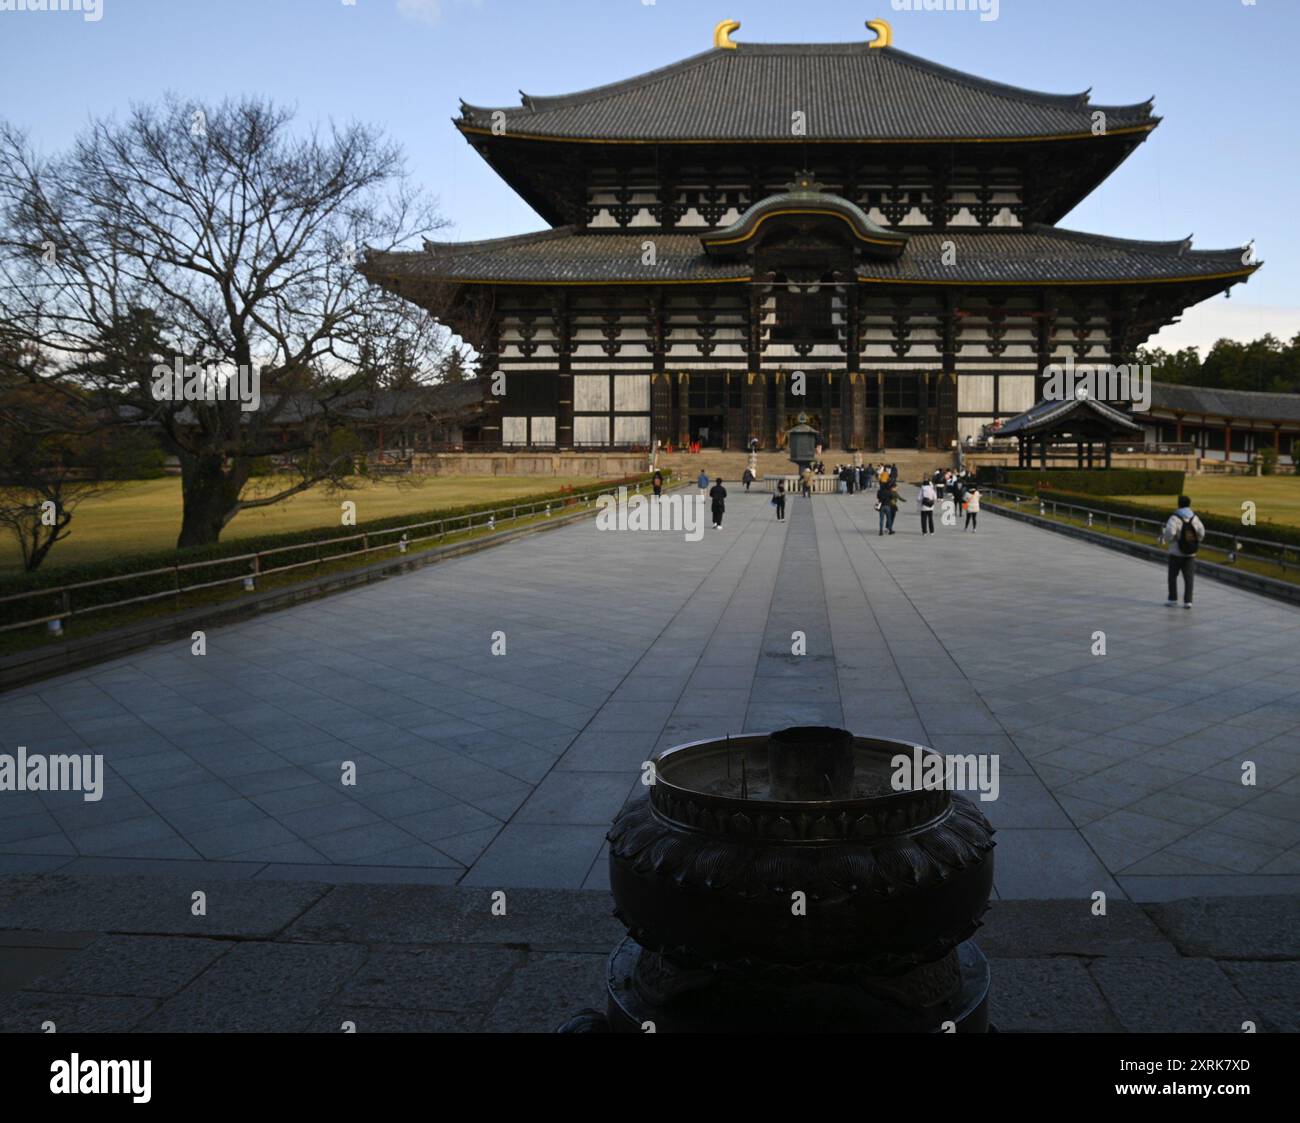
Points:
[(780, 883)]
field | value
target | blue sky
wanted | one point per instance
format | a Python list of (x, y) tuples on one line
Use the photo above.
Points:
[(1224, 165)]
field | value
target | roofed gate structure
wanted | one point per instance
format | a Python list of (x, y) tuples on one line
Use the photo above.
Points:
[(762, 230)]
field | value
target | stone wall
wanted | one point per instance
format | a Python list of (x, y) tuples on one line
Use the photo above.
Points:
[(597, 465)]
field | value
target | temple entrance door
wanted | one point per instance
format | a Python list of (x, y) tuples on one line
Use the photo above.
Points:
[(901, 430), (709, 429)]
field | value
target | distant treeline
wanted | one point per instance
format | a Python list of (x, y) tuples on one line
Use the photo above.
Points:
[(1266, 365)]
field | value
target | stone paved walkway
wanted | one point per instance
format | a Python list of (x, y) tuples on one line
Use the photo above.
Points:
[(119, 954), (1119, 772)]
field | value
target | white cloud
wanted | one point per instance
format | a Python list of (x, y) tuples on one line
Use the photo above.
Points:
[(422, 11), (1205, 324)]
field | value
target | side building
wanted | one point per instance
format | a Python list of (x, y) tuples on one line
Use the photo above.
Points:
[(761, 231)]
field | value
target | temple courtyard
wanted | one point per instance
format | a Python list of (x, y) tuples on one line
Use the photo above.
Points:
[(458, 883), (1118, 772)]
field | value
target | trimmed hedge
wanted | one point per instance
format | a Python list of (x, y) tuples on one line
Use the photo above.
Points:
[(1098, 481), (1220, 524), (53, 578)]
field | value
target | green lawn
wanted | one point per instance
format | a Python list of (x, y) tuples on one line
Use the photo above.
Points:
[(1276, 498), (145, 516)]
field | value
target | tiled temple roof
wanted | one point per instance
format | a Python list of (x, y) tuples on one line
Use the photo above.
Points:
[(1030, 255), (1047, 416), (1243, 405), (847, 91)]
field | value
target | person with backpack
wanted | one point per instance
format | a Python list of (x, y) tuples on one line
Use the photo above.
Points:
[(928, 497), (658, 484), (971, 501), (718, 494), (1184, 532)]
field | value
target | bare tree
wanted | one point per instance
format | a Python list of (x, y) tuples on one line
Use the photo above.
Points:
[(53, 456), (215, 240)]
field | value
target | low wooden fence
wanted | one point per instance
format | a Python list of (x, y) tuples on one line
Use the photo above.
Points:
[(65, 603)]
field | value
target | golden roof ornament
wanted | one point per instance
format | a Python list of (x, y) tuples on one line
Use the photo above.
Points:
[(884, 33), (722, 34)]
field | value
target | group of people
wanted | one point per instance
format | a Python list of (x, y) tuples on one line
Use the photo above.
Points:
[(1184, 532), (962, 490)]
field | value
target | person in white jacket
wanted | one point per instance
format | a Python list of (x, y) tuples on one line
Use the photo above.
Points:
[(1184, 532), (972, 505), (928, 498)]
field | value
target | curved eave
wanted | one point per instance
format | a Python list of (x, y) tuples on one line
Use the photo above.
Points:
[(378, 277), (747, 227), (1239, 275), (469, 129)]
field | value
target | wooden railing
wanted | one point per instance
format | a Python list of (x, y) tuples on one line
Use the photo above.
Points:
[(1232, 547), (189, 577)]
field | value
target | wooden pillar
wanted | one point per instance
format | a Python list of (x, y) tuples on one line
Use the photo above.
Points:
[(683, 410), (1227, 440), (490, 431), (832, 411), (880, 409), (857, 411), (853, 389), (758, 408), (563, 330), (755, 381)]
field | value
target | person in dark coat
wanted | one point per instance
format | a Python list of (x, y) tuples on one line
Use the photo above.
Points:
[(747, 478), (778, 501), (887, 501), (658, 484), (718, 494)]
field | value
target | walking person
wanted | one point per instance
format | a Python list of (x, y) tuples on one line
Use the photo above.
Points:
[(718, 494), (703, 482), (747, 479), (928, 498), (657, 483), (972, 509), (778, 501), (807, 483), (1184, 532), (887, 501)]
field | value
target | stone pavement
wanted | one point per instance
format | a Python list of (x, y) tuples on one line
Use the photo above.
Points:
[(1119, 772), (96, 953)]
